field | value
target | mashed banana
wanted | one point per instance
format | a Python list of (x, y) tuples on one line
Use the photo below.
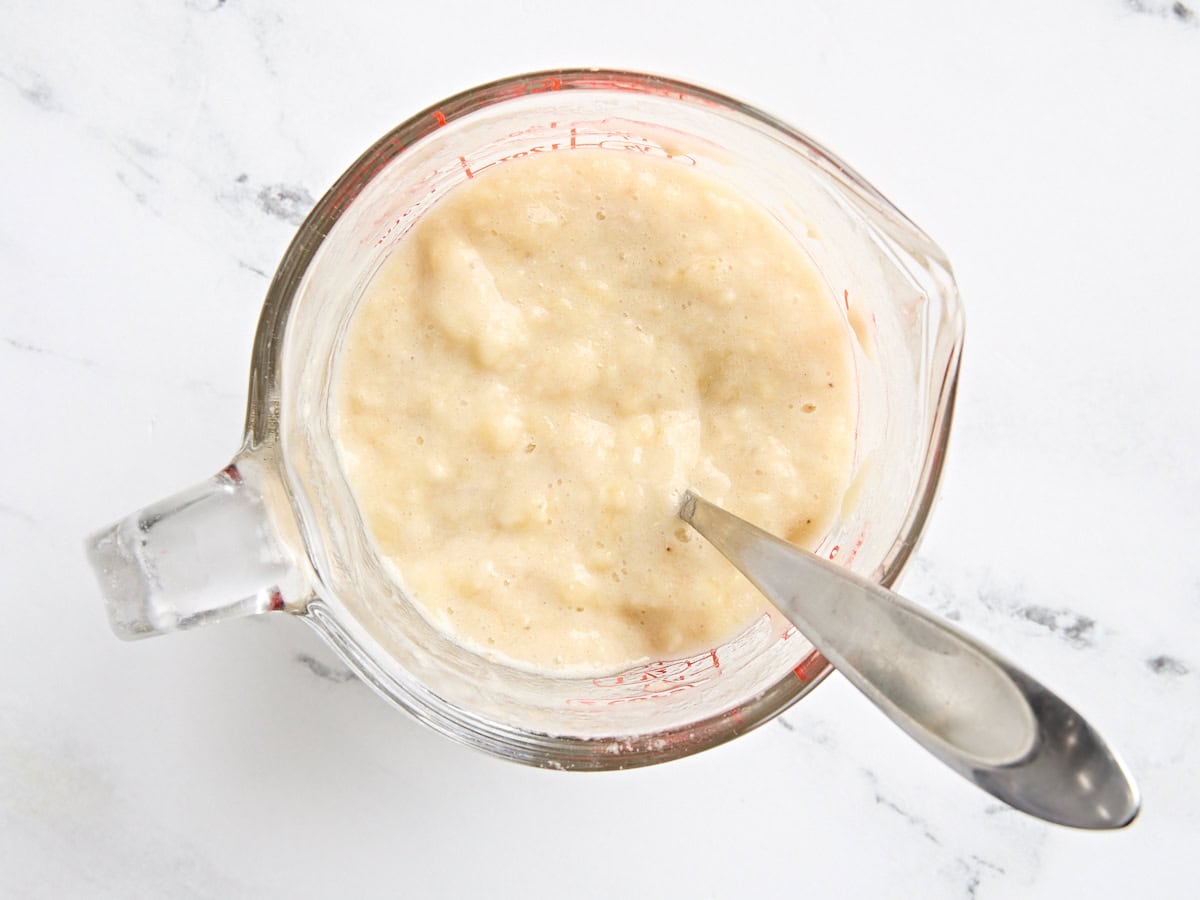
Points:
[(546, 361)]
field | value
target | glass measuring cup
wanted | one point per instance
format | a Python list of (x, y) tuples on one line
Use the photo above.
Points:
[(277, 529)]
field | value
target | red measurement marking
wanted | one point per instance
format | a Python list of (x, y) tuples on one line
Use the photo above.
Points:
[(658, 679), (862, 537), (466, 168), (231, 472), (439, 117), (572, 137), (846, 299), (388, 233), (834, 552), (276, 600), (810, 666)]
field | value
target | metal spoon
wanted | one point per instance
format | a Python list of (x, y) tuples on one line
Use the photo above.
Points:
[(973, 710)]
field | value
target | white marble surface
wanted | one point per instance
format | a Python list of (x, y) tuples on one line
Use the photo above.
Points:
[(155, 159)]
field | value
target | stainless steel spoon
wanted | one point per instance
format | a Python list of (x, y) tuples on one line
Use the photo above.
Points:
[(973, 710)]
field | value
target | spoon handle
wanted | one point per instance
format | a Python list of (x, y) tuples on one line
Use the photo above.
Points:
[(975, 711)]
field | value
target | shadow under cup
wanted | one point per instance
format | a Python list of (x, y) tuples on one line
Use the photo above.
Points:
[(902, 314)]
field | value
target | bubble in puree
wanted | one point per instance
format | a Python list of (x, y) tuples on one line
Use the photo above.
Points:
[(541, 367)]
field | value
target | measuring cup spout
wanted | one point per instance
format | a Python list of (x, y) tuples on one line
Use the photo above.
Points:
[(216, 551)]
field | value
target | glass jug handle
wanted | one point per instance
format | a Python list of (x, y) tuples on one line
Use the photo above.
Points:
[(207, 554)]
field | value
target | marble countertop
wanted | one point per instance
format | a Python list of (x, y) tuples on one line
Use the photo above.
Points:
[(156, 159)]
